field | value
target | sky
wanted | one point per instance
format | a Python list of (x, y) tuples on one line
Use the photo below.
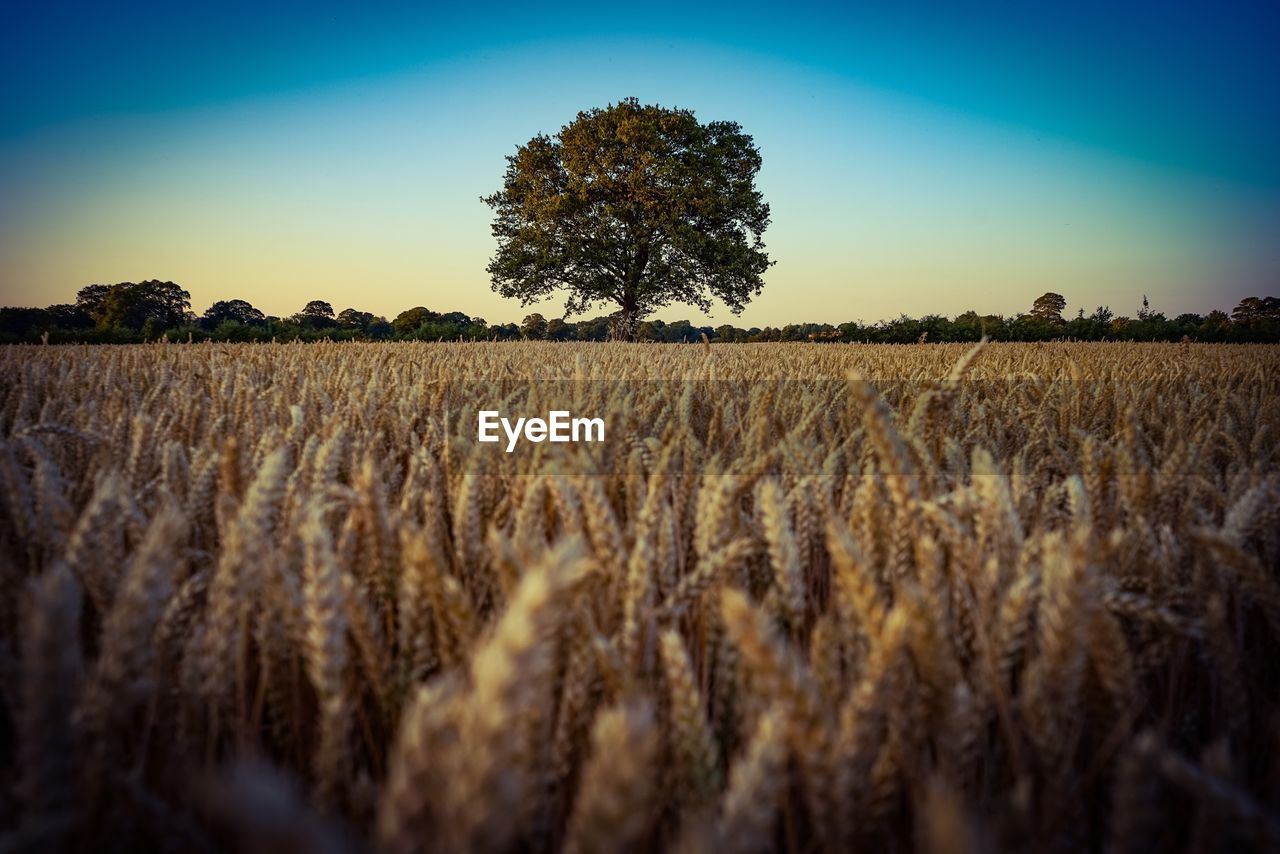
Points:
[(918, 157)]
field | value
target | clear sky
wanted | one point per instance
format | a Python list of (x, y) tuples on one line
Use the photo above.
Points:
[(918, 157)]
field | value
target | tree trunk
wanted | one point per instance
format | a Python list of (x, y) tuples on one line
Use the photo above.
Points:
[(624, 325)]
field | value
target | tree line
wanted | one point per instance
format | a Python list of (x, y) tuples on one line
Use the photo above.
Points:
[(131, 312)]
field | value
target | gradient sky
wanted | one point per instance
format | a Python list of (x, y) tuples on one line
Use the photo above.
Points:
[(918, 157)]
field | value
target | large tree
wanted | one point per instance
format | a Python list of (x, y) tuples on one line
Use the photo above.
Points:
[(237, 310), (1049, 307), (1253, 310), (408, 321), (131, 305), (534, 326), (633, 205), (316, 314), (350, 318)]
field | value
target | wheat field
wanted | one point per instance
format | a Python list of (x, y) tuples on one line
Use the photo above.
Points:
[(816, 598)]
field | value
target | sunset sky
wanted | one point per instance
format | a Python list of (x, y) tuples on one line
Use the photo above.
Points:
[(917, 160)]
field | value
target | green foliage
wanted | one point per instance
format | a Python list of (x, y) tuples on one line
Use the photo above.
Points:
[(235, 311), (17, 322), (234, 330), (364, 323), (534, 326), (67, 316), (558, 330), (637, 206), (315, 315), (1048, 307), (130, 306), (406, 322), (317, 308), (1253, 311), (1253, 320)]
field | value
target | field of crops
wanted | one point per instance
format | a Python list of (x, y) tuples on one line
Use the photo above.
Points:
[(803, 597)]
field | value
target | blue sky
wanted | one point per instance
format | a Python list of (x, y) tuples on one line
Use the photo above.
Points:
[(918, 157)]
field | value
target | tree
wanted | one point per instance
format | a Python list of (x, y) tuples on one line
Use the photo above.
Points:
[(236, 310), (349, 318), (1049, 307), (633, 205), (558, 330), (316, 314), (135, 305), (22, 323), (534, 326), (593, 329), (1217, 323), (728, 333), (408, 321), (1252, 310), (66, 316), (90, 298)]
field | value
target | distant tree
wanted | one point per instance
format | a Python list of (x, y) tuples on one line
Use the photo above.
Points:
[(407, 321), (534, 326), (349, 318), (852, 330), (1252, 310), (165, 304), (729, 333), (647, 330), (236, 310), (558, 330), (593, 329), (18, 323), (996, 327), (90, 298), (316, 314), (134, 305), (1049, 307), (235, 330), (1151, 325), (67, 316), (769, 333), (967, 326), (679, 331), (633, 205)]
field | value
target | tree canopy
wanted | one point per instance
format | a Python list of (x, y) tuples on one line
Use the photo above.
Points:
[(534, 326), (635, 206), (234, 310), (1049, 307), (317, 314), (95, 318), (135, 305), (1253, 310)]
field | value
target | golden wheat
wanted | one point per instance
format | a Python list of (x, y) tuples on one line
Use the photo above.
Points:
[(805, 597)]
